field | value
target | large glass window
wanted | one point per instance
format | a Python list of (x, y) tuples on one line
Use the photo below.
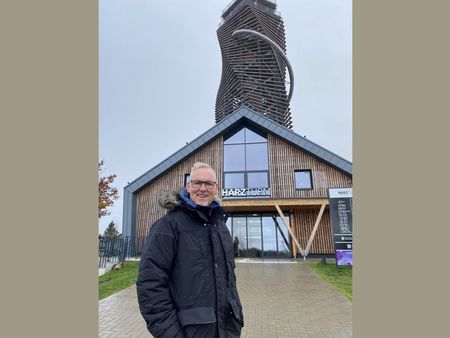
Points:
[(256, 156), (234, 155), (236, 138), (234, 180), (270, 236), (252, 137), (258, 179), (229, 224), (254, 236), (283, 248), (246, 163), (240, 234)]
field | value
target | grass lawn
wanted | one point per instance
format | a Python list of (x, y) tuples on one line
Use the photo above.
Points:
[(340, 277), (116, 280)]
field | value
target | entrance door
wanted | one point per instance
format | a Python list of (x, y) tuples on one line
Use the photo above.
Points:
[(256, 235), (270, 237)]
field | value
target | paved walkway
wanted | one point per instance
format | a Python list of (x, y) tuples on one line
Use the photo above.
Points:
[(280, 299)]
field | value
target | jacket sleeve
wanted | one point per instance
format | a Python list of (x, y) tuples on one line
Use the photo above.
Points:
[(155, 302)]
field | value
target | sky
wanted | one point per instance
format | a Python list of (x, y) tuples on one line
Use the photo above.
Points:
[(160, 67)]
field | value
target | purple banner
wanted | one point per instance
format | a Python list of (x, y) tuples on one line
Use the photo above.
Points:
[(344, 257)]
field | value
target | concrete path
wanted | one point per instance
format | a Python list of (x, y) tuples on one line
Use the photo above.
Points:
[(281, 299)]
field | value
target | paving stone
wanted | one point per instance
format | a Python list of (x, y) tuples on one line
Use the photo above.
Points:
[(279, 300)]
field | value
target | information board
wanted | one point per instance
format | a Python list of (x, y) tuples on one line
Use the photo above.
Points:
[(341, 224)]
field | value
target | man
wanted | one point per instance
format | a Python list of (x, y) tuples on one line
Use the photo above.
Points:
[(186, 285)]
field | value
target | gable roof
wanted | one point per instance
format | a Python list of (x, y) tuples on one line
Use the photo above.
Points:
[(231, 122), (242, 116)]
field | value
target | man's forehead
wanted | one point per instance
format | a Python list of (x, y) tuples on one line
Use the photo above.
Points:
[(207, 173)]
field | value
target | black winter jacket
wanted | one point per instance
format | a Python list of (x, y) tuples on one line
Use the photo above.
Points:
[(186, 285)]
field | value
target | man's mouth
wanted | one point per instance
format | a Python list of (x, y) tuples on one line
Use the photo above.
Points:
[(202, 195)]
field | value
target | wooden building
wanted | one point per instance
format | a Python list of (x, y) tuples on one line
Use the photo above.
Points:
[(273, 183)]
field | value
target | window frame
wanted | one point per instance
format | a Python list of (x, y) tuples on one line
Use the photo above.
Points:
[(310, 179), (245, 144)]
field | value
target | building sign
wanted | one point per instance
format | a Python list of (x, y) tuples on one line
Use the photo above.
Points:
[(245, 192), (341, 224)]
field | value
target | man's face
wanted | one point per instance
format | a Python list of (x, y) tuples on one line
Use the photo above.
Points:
[(202, 195)]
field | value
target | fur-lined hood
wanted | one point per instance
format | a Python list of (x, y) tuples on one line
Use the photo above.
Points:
[(169, 199)]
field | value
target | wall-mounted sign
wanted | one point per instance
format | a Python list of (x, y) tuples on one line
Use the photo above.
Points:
[(245, 192), (341, 224)]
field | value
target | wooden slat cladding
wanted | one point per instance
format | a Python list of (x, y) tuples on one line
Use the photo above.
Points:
[(304, 220), (284, 159), (253, 73), (147, 207)]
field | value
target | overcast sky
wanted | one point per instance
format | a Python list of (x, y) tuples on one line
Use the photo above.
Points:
[(160, 67)]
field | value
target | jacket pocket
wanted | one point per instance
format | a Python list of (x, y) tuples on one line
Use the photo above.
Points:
[(197, 315), (199, 322), (236, 311)]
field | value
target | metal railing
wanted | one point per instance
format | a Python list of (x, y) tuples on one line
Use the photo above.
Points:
[(243, 3), (115, 250)]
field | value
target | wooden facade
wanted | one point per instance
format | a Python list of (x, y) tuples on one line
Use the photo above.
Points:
[(302, 205), (304, 221), (284, 159)]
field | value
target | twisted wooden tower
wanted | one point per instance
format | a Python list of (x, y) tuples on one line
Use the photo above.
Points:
[(252, 42)]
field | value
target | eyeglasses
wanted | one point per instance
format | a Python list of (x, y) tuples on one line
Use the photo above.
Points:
[(197, 184)]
